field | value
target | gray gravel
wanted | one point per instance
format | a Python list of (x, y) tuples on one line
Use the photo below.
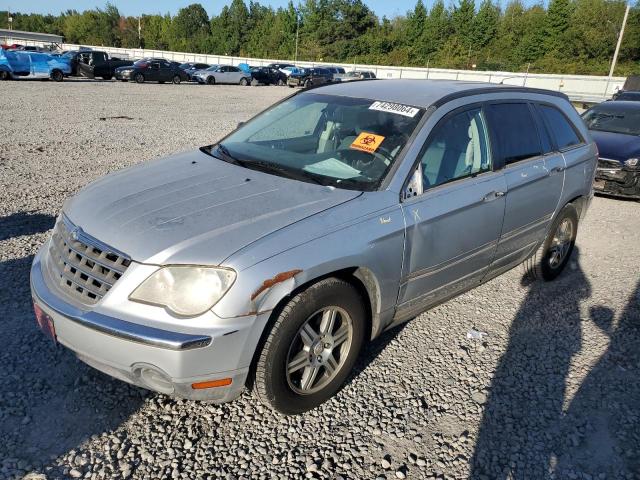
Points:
[(551, 391)]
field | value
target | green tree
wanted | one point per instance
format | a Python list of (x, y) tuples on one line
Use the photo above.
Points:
[(557, 24)]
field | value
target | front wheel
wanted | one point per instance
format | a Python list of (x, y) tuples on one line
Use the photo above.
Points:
[(243, 82), (176, 79), (312, 347), (57, 76), (139, 78), (553, 255), (4, 75), (211, 81)]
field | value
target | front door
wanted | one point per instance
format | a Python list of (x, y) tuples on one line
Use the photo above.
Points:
[(454, 214), (534, 177)]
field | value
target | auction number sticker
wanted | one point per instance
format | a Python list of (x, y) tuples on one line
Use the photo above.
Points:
[(367, 142), (398, 108)]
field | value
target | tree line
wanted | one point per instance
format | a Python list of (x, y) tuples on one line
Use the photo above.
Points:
[(567, 36)]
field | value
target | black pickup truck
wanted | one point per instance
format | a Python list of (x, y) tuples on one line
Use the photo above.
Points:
[(92, 64)]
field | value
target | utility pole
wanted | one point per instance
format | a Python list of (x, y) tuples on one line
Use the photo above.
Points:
[(9, 18), (295, 60), (139, 33), (615, 55)]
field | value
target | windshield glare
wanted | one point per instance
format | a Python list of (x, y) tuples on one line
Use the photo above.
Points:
[(616, 120), (325, 139)]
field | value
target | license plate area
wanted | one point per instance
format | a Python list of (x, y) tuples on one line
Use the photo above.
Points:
[(45, 322)]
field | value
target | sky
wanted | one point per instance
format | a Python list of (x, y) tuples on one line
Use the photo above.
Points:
[(389, 8)]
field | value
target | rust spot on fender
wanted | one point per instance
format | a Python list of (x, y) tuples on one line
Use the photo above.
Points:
[(279, 278)]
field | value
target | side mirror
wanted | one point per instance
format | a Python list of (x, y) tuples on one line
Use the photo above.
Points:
[(240, 124)]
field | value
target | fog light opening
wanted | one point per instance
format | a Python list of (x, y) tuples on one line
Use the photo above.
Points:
[(223, 382), (155, 379)]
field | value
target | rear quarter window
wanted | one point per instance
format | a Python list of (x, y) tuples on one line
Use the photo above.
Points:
[(560, 127)]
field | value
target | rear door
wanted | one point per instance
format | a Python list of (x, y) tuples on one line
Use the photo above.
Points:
[(453, 208), (153, 72), (166, 71), (533, 189), (235, 75)]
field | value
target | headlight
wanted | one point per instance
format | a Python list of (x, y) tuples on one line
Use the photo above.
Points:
[(632, 162), (184, 289)]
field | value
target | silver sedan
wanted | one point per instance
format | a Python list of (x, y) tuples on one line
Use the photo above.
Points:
[(222, 74)]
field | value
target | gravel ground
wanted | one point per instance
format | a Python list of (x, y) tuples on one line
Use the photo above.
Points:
[(551, 391)]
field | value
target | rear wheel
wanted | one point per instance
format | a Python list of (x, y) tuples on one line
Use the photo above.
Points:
[(280, 82), (176, 79), (312, 347), (553, 255), (4, 75), (211, 81), (307, 83), (243, 82), (139, 78), (57, 76)]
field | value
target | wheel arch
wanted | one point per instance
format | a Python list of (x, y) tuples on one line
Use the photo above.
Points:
[(361, 278)]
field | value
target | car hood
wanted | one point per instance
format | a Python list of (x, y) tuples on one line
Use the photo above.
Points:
[(193, 208), (616, 146)]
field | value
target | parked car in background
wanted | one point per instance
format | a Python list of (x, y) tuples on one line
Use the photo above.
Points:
[(335, 71), (630, 90), (357, 75), (268, 76), (152, 70), (72, 56), (191, 67), (221, 74), (271, 257), (615, 127), (281, 66), (28, 64), (310, 77), (94, 63), (291, 69), (627, 95)]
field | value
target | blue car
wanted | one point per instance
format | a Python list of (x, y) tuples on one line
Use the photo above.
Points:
[(26, 64), (615, 127)]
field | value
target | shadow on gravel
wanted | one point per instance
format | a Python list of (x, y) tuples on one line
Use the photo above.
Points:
[(520, 432), (25, 223), (50, 401)]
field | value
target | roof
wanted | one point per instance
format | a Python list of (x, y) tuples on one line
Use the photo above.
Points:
[(33, 36), (420, 93), (621, 105)]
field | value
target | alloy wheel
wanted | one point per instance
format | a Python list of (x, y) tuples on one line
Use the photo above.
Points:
[(561, 243), (319, 350)]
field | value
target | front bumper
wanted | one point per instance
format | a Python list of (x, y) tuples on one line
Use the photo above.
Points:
[(617, 180), (165, 361)]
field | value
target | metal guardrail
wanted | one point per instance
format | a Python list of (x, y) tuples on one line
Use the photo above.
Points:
[(579, 88)]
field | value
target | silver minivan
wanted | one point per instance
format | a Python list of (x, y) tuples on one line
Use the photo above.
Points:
[(269, 258)]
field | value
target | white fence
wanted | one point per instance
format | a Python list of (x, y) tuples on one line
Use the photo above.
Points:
[(579, 88)]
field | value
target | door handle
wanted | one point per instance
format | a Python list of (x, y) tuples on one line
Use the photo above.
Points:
[(555, 170), (492, 196)]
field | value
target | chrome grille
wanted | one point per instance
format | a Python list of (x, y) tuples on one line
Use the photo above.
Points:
[(86, 267)]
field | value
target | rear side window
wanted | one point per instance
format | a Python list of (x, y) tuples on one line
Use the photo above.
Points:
[(514, 131), (562, 130)]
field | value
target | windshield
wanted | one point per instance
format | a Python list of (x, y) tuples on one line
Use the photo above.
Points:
[(332, 140), (606, 118)]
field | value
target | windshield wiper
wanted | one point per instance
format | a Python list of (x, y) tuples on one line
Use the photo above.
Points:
[(269, 167), (228, 156)]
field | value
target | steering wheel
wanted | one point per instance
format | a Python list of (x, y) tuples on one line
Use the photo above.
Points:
[(360, 159)]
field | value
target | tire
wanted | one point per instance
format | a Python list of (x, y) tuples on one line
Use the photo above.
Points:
[(243, 82), (4, 75), (211, 81), (107, 77), (287, 392), (176, 80), (307, 84), (280, 82), (139, 78), (553, 255), (57, 76)]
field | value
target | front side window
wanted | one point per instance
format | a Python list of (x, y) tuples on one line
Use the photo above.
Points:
[(562, 130), (332, 140), (457, 149), (514, 131), (615, 118)]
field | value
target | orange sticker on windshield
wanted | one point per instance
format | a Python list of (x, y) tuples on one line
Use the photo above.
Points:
[(367, 142)]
